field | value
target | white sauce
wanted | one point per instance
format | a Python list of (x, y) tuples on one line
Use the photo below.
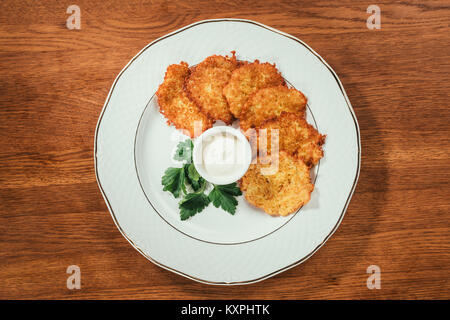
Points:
[(222, 155)]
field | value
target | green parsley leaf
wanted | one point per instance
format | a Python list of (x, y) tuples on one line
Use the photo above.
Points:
[(173, 181), (201, 184), (224, 196), (193, 177), (184, 151), (193, 203), (192, 172)]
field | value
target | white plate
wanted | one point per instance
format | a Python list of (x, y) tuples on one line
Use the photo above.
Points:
[(133, 147)]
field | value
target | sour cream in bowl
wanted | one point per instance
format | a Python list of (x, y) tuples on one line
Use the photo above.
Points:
[(222, 155)]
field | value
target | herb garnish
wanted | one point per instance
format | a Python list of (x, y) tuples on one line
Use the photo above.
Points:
[(224, 196), (178, 180), (184, 151)]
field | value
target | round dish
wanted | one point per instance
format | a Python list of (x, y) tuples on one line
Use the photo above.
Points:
[(246, 156), (220, 248)]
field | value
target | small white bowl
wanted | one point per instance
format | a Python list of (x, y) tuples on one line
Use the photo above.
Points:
[(198, 154)]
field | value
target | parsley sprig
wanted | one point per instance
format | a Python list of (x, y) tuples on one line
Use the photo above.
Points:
[(224, 196), (186, 182)]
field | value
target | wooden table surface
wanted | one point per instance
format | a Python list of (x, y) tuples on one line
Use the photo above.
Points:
[(54, 82)]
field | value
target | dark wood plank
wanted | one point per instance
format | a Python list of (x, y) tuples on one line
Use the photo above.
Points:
[(53, 85)]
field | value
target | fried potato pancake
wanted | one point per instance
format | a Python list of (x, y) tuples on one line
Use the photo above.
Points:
[(296, 137), (268, 103), (281, 193), (176, 106), (246, 80), (205, 86)]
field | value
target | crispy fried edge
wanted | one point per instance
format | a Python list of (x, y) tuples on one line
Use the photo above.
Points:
[(244, 186), (295, 117), (246, 64), (190, 133), (245, 109), (207, 62)]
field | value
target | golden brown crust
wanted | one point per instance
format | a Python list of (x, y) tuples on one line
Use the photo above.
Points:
[(246, 80), (296, 137), (175, 105), (269, 103), (280, 193), (205, 85)]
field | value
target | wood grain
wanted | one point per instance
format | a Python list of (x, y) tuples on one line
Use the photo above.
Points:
[(54, 82)]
